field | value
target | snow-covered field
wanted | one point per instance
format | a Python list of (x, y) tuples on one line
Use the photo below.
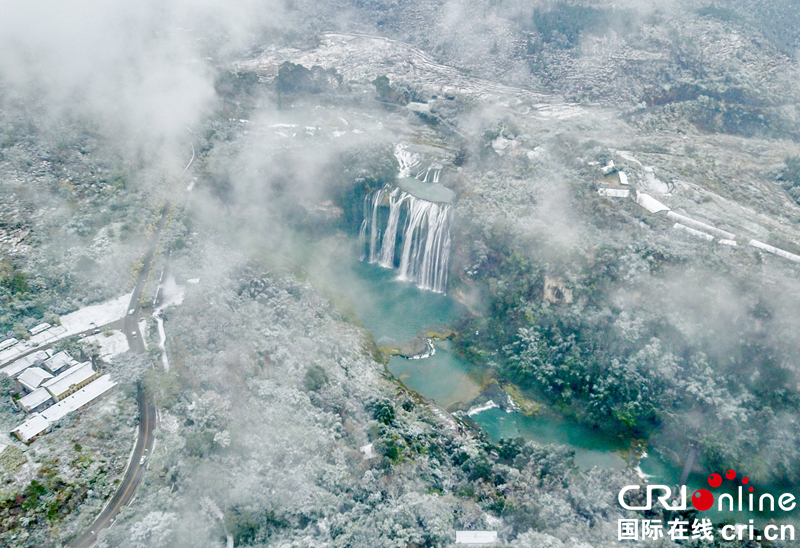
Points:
[(110, 345), (79, 321), (362, 58), (96, 315)]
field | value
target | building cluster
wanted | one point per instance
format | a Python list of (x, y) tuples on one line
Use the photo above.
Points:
[(44, 333), (615, 179), (51, 386)]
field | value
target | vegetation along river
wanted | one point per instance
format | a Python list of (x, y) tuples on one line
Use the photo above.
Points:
[(394, 311)]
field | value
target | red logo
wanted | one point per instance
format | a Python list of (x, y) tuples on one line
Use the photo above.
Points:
[(703, 499)]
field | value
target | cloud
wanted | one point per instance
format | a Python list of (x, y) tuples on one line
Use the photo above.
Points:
[(143, 70)]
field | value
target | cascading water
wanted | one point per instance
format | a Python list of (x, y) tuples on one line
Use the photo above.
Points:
[(425, 241), (396, 199)]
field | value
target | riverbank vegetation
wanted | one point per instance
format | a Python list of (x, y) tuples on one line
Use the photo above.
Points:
[(660, 341), (262, 358)]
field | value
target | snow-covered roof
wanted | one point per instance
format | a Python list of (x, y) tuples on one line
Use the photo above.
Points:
[(31, 428), (17, 367), (72, 376), (39, 422), (8, 343), (614, 192), (623, 178), (39, 328), (34, 399), (723, 241), (649, 203), (85, 395), (775, 250), (476, 537), (693, 232), (701, 226), (59, 362), (33, 377)]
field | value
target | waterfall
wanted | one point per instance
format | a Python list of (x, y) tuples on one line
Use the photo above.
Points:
[(425, 237), (396, 199), (406, 160), (371, 208), (429, 174)]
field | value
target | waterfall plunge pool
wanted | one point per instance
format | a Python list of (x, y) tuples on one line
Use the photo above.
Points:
[(394, 309), (397, 310)]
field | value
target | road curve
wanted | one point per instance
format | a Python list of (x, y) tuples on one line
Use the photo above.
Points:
[(133, 476), (147, 411)]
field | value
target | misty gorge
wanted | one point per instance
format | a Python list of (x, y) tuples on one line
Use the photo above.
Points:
[(399, 274)]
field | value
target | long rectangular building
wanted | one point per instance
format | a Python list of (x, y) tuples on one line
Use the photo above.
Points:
[(71, 380)]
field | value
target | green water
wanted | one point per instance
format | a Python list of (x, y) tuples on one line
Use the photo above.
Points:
[(590, 447), (443, 377), (393, 310), (390, 309), (397, 311)]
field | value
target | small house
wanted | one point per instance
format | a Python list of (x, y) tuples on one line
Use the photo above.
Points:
[(32, 378), (58, 362), (37, 400)]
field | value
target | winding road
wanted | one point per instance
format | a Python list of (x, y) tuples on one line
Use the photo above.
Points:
[(147, 411), (133, 476)]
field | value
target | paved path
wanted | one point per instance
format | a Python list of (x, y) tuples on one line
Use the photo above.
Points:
[(147, 411), (133, 476)]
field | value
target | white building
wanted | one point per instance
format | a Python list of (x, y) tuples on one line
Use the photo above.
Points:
[(59, 362), (38, 423), (693, 232), (697, 225), (32, 378), (15, 368), (39, 328), (31, 428), (614, 192), (8, 343), (775, 251), (35, 401), (649, 203), (72, 379)]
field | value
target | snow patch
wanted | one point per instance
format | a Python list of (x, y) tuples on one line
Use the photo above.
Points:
[(110, 345), (96, 315), (369, 451)]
